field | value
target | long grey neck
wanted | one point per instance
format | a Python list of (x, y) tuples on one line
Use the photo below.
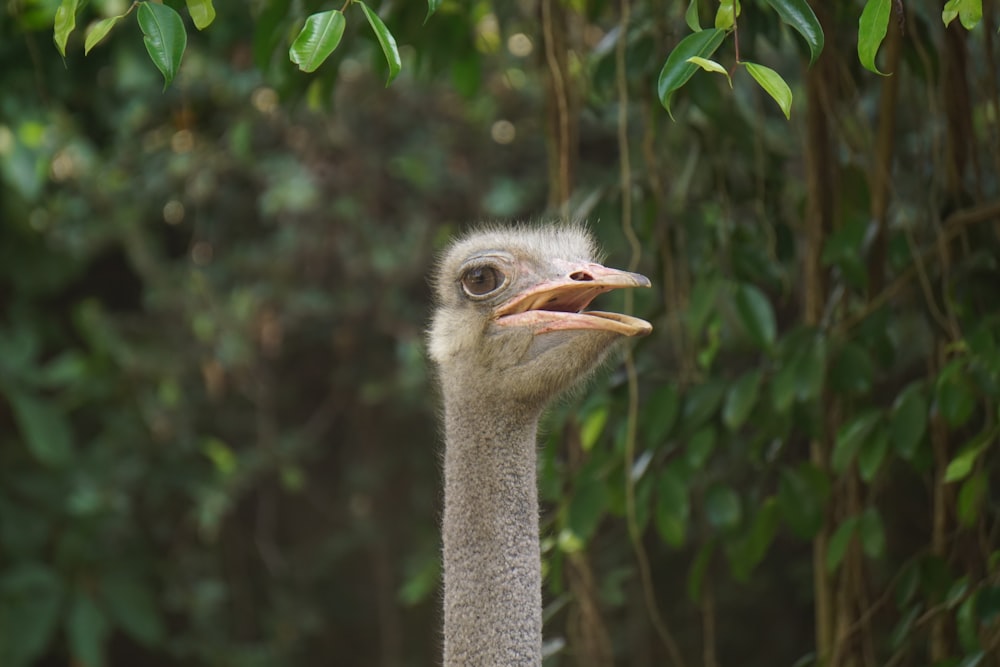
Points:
[(492, 569)]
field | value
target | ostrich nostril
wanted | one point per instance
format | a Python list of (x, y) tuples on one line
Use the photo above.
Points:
[(581, 276)]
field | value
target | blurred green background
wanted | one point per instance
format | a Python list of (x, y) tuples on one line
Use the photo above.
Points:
[(218, 437)]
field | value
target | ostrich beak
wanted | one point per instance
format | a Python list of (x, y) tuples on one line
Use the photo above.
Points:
[(558, 304)]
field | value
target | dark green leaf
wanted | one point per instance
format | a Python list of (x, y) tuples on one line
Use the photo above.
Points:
[(799, 15), (773, 84), (660, 414), (872, 26), (672, 506), (87, 629), (164, 36), (802, 495), (45, 430), (385, 40), (839, 541), (65, 22), (810, 369), (901, 633), (699, 567), (872, 453), (871, 533), (756, 314), (133, 607), (967, 625), (318, 38), (587, 507), (908, 420), (702, 304), (988, 604), (700, 447), (851, 371), (723, 507), (677, 70), (202, 13), (850, 437), (701, 402), (30, 597), (740, 399), (757, 542), (956, 398)]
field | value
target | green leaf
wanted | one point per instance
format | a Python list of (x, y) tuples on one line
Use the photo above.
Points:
[(872, 453), (677, 70), (970, 499), (30, 598), (318, 38), (164, 37), (799, 15), (593, 427), (773, 85), (202, 13), (727, 13), (691, 16), (710, 66), (432, 6), (871, 533), (839, 541), (133, 608), (908, 420), (872, 26), (850, 437), (740, 399), (969, 12), (99, 31), (65, 22), (385, 40), (45, 430), (672, 506), (87, 629), (723, 507), (960, 466), (699, 567)]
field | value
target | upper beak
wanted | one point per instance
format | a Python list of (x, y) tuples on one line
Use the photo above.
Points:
[(558, 304)]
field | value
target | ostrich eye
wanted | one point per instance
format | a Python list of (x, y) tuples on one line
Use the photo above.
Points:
[(481, 280)]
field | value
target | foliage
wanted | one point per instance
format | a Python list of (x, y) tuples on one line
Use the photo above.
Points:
[(217, 443)]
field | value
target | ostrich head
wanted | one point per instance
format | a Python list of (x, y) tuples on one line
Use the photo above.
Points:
[(511, 323)]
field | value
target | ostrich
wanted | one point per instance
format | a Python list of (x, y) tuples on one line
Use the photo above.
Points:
[(509, 334)]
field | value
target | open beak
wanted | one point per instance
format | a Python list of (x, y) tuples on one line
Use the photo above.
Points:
[(559, 305)]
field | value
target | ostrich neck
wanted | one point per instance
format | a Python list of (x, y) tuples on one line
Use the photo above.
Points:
[(492, 569)]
